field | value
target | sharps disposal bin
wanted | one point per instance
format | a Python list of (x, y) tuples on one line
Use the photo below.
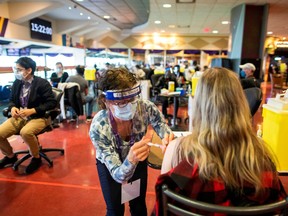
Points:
[(275, 131)]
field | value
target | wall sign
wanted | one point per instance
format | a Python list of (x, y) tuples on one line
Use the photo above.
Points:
[(41, 29)]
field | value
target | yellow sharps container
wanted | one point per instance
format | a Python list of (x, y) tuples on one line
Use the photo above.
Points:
[(275, 130)]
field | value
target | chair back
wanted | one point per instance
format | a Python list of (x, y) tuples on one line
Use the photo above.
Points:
[(254, 98), (57, 94), (172, 201)]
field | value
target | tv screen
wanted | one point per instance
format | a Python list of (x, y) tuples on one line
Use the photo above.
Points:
[(41, 29)]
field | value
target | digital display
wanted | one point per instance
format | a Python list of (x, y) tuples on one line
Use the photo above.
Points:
[(41, 29)]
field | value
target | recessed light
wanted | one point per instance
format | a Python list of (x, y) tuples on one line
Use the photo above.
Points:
[(284, 38), (106, 17), (167, 5), (157, 22), (171, 26), (70, 8), (215, 32), (270, 32), (88, 17), (225, 22), (81, 14), (162, 31)]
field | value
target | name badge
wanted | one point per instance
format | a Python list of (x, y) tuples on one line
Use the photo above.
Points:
[(130, 191)]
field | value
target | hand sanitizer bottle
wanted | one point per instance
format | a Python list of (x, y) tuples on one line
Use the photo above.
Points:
[(259, 131)]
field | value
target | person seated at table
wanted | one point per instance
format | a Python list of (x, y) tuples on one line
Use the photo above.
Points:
[(163, 82), (223, 161), (120, 133), (59, 76), (86, 98), (249, 81)]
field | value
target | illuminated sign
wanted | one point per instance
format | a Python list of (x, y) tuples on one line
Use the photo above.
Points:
[(282, 44), (41, 29)]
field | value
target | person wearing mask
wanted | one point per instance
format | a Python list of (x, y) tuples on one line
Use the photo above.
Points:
[(223, 161), (86, 98), (249, 81), (31, 97), (59, 76), (120, 133)]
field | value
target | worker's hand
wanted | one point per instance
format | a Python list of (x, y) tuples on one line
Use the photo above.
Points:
[(139, 151), (27, 112), (165, 141), (15, 112)]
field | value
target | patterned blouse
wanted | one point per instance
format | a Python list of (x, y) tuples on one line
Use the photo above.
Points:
[(105, 144)]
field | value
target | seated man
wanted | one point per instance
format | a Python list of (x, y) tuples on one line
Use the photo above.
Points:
[(86, 98), (31, 97), (249, 81)]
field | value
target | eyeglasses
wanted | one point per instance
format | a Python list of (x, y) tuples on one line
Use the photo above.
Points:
[(123, 103), (18, 70)]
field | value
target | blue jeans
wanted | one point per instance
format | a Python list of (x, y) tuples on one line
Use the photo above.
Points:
[(112, 191)]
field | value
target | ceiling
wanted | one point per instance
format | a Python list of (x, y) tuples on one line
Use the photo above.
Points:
[(139, 16)]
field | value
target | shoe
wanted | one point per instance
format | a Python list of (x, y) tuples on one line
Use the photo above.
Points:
[(89, 119), (6, 161), (34, 165)]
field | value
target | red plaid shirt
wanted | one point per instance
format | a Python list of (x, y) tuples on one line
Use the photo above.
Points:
[(184, 179)]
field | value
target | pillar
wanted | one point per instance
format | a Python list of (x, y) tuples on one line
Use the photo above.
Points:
[(247, 36)]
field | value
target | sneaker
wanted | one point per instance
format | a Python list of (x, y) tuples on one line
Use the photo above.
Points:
[(89, 119), (6, 161), (34, 165)]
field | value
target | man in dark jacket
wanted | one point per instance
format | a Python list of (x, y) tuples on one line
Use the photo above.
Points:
[(31, 97), (249, 81)]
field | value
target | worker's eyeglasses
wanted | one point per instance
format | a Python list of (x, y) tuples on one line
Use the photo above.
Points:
[(18, 70), (124, 102)]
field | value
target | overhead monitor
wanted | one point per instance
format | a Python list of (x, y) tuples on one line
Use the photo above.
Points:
[(41, 29)]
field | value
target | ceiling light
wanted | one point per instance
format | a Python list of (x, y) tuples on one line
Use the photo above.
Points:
[(162, 31), (270, 32), (284, 38), (88, 17), (171, 26), (157, 22), (167, 5), (81, 14), (70, 8), (215, 32), (225, 22), (106, 17)]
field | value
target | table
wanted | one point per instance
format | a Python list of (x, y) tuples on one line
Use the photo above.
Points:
[(175, 95)]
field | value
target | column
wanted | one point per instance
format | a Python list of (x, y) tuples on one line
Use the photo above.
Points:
[(247, 36)]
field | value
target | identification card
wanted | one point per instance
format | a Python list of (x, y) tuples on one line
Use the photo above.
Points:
[(130, 191)]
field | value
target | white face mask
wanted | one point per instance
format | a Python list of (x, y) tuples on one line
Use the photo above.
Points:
[(125, 113), (58, 70), (18, 76)]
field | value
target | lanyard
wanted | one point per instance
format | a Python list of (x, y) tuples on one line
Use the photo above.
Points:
[(24, 95), (119, 141)]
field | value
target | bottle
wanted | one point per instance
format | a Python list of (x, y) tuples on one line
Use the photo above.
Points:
[(259, 130)]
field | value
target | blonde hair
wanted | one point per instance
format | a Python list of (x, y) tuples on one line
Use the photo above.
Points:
[(223, 143)]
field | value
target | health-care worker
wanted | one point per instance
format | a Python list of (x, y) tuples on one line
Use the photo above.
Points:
[(120, 133)]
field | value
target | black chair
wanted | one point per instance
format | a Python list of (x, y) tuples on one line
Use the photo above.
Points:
[(181, 206), (42, 151), (254, 98), (73, 102)]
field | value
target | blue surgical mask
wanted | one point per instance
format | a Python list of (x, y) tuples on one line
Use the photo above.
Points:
[(125, 113), (242, 74), (18, 76)]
